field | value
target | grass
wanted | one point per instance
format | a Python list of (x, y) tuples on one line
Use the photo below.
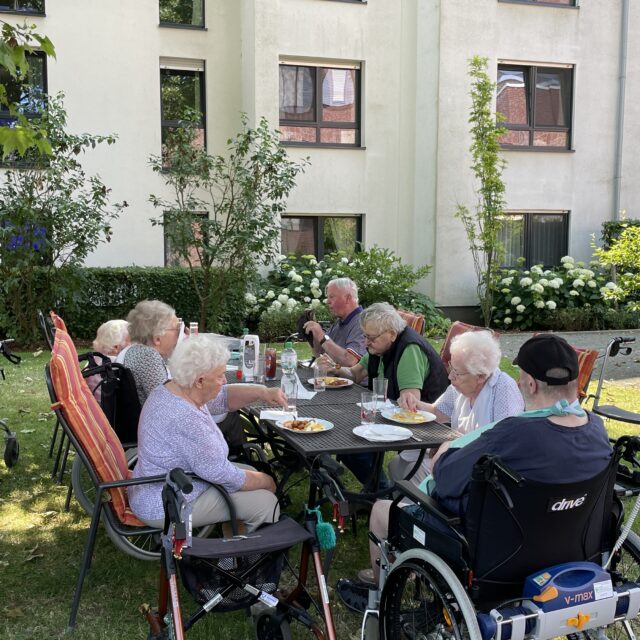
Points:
[(41, 545)]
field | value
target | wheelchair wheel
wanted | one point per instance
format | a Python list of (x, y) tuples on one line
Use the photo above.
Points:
[(423, 598), (11, 452), (628, 565), (266, 628), (140, 547)]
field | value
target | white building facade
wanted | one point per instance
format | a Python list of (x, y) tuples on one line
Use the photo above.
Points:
[(376, 94)]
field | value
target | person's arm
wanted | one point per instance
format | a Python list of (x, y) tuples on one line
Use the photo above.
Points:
[(345, 356), (257, 480), (149, 370), (340, 355), (240, 395), (413, 368), (356, 373), (317, 332)]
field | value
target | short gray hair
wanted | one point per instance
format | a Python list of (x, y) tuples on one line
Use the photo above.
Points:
[(383, 317), (110, 334), (194, 357), (556, 392), (479, 350), (345, 284), (148, 319)]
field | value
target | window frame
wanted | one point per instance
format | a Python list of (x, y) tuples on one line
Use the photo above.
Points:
[(173, 69), (22, 12), (179, 25), (5, 118), (530, 73), (318, 228), (318, 124), (529, 215)]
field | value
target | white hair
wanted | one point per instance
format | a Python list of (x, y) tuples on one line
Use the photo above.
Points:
[(194, 357), (110, 334), (479, 350), (383, 317), (345, 284), (148, 319)]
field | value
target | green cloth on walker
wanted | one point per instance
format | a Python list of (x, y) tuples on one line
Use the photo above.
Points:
[(560, 408)]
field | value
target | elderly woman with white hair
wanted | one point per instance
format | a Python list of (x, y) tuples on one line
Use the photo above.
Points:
[(479, 394), (177, 430)]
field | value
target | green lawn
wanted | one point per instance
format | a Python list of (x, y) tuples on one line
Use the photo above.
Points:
[(41, 545)]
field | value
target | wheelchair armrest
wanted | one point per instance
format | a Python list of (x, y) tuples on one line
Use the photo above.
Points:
[(250, 447), (426, 502)]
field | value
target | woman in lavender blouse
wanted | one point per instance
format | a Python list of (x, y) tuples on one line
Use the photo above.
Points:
[(176, 430)]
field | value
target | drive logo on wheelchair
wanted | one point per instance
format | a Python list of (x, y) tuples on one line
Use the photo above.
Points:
[(564, 504)]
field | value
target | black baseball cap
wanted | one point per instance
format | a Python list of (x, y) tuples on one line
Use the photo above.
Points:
[(540, 354)]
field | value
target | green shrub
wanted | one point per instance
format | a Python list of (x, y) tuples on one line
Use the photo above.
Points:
[(278, 324), (611, 230), (590, 319), (526, 299), (299, 282)]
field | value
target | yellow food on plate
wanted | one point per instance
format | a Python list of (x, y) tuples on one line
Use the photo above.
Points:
[(408, 417), (303, 425), (335, 382)]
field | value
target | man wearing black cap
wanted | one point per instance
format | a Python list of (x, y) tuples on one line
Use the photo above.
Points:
[(553, 441)]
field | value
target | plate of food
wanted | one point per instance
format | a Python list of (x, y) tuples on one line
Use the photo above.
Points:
[(333, 382), (382, 432), (403, 416), (305, 425)]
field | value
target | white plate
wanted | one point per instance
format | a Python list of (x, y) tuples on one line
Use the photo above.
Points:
[(382, 432), (424, 416), (325, 423), (347, 382)]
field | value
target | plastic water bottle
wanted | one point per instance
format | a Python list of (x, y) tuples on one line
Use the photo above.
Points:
[(289, 359)]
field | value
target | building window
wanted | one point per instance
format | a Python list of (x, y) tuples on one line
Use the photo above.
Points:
[(185, 13), (319, 105), (319, 235), (537, 237), (171, 257), (22, 6), (536, 103), (180, 89), (29, 95)]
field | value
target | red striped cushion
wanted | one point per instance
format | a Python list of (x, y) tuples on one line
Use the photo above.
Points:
[(88, 422), (586, 361), (413, 320)]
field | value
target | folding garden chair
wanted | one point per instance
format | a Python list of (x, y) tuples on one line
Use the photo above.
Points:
[(413, 320), (456, 329)]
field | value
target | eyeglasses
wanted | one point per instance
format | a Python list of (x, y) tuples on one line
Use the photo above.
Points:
[(372, 338), (455, 374)]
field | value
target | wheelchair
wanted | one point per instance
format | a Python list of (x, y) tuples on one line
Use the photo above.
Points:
[(11, 445), (533, 560), (234, 573)]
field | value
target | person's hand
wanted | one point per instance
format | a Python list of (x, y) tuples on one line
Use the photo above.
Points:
[(408, 401), (325, 360), (314, 329), (269, 482), (275, 396)]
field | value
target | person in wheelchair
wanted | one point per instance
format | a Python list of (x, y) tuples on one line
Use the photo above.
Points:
[(176, 429), (553, 441)]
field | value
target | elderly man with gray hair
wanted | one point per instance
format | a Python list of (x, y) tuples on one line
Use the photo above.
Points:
[(344, 341)]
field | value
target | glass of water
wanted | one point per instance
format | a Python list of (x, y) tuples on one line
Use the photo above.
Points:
[(368, 407)]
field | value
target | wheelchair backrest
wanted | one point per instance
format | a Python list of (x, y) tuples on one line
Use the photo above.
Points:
[(82, 416), (514, 529)]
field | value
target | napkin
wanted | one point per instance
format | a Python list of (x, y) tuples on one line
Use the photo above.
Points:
[(304, 394), (383, 407), (276, 414)]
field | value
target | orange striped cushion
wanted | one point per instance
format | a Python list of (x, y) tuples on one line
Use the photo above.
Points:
[(586, 361), (88, 422), (413, 320), (58, 322), (456, 329)]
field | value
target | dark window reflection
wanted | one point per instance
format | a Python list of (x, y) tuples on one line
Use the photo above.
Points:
[(185, 12)]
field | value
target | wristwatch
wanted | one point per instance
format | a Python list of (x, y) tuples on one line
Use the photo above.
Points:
[(325, 338)]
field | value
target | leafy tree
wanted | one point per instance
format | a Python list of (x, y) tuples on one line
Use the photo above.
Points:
[(52, 215), (16, 42), (483, 225), (239, 197)]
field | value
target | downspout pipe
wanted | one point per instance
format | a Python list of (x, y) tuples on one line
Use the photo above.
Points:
[(622, 81)]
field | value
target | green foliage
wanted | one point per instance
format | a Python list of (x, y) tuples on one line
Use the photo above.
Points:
[(531, 298), (624, 254), (299, 282), (483, 225), (16, 41), (52, 216), (181, 12), (241, 195), (611, 230), (594, 318)]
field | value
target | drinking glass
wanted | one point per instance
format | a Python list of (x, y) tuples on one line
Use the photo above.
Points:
[(270, 363), (259, 370), (368, 407), (319, 374), (380, 389), (289, 386)]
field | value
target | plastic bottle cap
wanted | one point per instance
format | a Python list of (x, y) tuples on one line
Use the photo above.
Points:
[(288, 345), (245, 331)]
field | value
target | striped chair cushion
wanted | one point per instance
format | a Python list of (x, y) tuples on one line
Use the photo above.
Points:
[(456, 329), (87, 421), (586, 361), (413, 320)]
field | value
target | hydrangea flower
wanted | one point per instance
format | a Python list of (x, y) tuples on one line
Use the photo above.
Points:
[(282, 298), (611, 286), (292, 274), (515, 300), (578, 283), (525, 282), (573, 292), (298, 289), (270, 294), (286, 292), (276, 304), (505, 290), (520, 308), (345, 260), (539, 304), (551, 305), (544, 282), (318, 274), (508, 320), (315, 303), (316, 293), (592, 284), (307, 299), (537, 287), (315, 283), (250, 298), (566, 259), (291, 303), (507, 281)]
